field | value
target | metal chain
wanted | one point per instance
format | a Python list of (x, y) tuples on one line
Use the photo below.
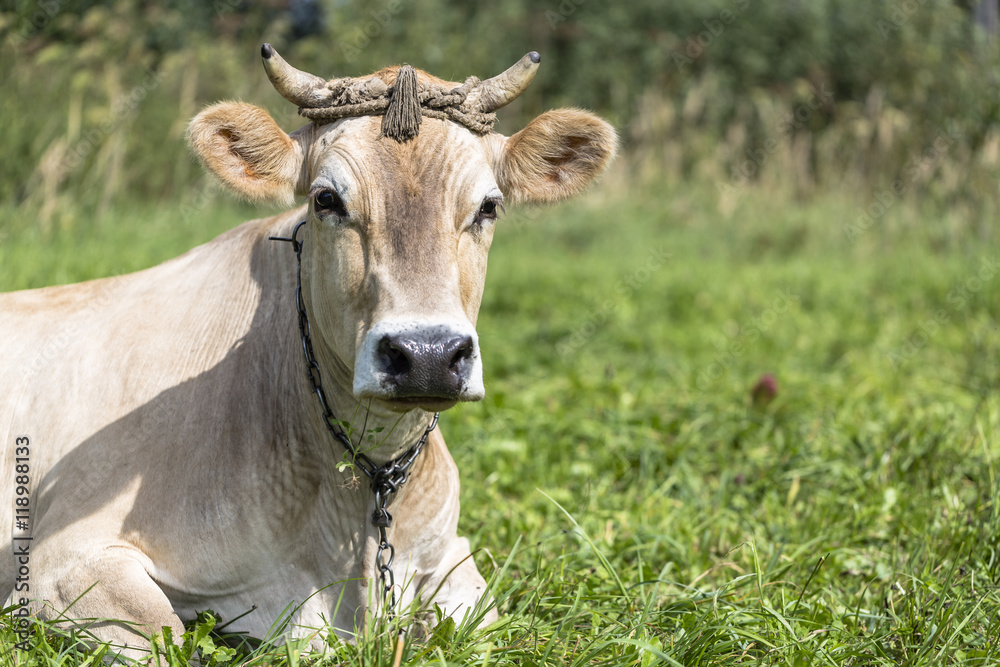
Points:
[(386, 479)]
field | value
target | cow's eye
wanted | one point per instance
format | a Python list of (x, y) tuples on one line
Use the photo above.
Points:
[(328, 201), (488, 210)]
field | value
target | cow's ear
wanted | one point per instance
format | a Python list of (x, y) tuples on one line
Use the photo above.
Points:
[(556, 156), (242, 145)]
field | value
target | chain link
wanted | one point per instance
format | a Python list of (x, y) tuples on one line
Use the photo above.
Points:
[(386, 479)]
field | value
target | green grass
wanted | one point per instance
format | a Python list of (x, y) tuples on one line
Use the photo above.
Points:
[(634, 505)]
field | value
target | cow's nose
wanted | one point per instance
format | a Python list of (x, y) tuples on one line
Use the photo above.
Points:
[(432, 366), (420, 363)]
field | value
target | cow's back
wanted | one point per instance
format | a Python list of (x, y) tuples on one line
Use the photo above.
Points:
[(90, 371)]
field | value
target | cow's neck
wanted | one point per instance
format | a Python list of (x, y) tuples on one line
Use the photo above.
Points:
[(382, 434)]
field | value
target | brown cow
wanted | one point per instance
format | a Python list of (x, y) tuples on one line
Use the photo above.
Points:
[(178, 455)]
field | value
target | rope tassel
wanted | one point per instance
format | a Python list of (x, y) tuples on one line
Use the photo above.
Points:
[(401, 121)]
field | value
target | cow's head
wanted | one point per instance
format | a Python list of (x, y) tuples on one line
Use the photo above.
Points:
[(401, 216)]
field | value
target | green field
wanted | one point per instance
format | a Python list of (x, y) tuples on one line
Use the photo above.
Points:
[(632, 500), (743, 398)]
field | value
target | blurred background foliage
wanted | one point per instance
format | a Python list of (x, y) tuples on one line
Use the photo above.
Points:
[(796, 95)]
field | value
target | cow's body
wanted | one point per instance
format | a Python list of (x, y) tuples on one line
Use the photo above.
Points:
[(223, 489), (177, 456)]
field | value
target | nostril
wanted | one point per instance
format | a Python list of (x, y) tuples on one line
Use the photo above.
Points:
[(394, 359), (463, 351)]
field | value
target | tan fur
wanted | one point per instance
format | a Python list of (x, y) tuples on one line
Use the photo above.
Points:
[(188, 468), (242, 145), (556, 156), (189, 465)]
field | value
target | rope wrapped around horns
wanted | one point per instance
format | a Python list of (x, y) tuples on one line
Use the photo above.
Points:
[(402, 105)]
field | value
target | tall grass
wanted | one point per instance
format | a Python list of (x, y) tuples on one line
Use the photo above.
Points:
[(95, 111), (876, 156)]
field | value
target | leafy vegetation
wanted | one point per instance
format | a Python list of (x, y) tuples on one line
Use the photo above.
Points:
[(807, 198)]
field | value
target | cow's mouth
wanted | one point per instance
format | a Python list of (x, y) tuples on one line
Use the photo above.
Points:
[(426, 403)]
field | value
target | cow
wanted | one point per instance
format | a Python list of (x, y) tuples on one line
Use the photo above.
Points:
[(253, 424)]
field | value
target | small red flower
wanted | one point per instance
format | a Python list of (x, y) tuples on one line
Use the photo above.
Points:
[(764, 391)]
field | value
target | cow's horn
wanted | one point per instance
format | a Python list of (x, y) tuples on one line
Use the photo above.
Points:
[(504, 88), (300, 88)]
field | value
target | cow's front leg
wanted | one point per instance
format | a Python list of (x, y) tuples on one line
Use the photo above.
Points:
[(111, 595), (456, 585)]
